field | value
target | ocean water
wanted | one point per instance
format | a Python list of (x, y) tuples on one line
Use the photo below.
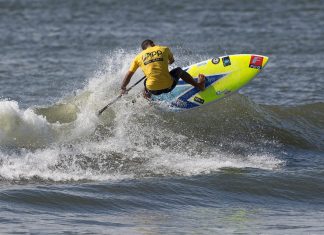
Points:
[(250, 164)]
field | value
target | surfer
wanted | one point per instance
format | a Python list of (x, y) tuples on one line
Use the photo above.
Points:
[(154, 61)]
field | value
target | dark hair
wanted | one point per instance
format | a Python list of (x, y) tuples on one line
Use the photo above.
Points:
[(146, 43)]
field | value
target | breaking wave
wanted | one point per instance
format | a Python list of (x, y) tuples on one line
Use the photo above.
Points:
[(67, 141)]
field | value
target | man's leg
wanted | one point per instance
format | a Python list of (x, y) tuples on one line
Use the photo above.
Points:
[(188, 79), (146, 94)]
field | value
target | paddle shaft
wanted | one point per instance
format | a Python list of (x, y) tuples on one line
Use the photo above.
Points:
[(118, 97)]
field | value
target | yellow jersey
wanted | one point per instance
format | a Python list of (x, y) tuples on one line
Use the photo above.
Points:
[(154, 61)]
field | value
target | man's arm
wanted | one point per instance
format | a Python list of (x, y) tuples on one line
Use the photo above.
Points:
[(125, 82), (170, 57), (133, 67), (171, 60)]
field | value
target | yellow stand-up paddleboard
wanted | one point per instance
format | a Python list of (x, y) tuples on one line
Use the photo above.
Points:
[(224, 75)]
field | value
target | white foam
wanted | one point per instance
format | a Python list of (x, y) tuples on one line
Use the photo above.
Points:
[(182, 164), (23, 126), (50, 164)]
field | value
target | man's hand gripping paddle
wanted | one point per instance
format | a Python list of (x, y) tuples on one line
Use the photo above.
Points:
[(118, 97)]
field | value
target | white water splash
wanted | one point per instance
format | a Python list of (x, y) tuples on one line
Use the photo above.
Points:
[(132, 140)]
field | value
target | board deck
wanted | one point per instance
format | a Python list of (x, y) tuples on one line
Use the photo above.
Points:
[(224, 76)]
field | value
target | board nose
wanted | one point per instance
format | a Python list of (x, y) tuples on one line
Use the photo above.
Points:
[(265, 60)]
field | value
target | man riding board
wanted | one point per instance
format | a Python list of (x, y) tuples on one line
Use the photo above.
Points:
[(154, 60)]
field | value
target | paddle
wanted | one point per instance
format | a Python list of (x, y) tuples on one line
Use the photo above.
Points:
[(118, 97)]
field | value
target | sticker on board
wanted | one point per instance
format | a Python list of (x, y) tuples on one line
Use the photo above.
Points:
[(256, 62), (215, 60), (226, 61), (199, 100)]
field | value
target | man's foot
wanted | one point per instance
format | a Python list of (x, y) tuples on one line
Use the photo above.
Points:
[(201, 81)]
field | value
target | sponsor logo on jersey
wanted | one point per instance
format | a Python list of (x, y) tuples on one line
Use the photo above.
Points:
[(256, 62), (151, 55), (154, 60)]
